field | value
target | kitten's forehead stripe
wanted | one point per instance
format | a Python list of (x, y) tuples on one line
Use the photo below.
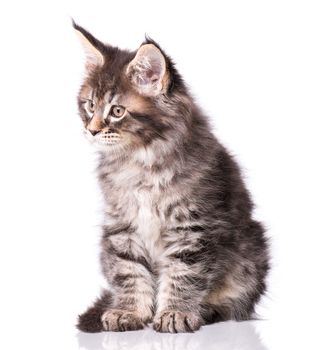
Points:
[(107, 103), (115, 99), (107, 108), (113, 93), (108, 96), (110, 99)]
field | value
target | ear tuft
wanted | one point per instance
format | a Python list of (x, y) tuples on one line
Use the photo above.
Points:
[(147, 70), (94, 57)]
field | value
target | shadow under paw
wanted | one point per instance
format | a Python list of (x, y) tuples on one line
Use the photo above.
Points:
[(177, 322)]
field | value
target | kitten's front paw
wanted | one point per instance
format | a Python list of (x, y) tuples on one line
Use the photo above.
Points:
[(121, 320), (177, 322)]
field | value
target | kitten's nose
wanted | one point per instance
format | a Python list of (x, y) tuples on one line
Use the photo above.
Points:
[(94, 132)]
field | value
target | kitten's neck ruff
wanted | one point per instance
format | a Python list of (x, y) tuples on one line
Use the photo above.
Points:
[(156, 155)]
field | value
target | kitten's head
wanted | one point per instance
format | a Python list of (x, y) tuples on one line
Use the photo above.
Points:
[(131, 101)]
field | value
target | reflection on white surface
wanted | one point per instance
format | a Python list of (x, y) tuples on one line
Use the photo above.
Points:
[(220, 336)]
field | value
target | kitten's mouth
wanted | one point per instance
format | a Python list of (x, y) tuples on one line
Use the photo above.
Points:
[(107, 137)]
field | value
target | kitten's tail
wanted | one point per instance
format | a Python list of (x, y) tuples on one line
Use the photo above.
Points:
[(90, 321)]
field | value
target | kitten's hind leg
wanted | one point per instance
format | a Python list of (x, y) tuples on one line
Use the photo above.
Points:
[(234, 299), (240, 309), (91, 320)]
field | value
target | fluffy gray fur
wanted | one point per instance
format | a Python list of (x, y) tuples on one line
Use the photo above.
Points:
[(180, 248)]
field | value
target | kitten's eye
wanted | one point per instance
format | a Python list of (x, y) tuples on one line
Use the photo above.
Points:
[(91, 106), (118, 111)]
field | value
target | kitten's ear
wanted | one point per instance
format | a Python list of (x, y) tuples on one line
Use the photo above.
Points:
[(94, 57), (147, 70)]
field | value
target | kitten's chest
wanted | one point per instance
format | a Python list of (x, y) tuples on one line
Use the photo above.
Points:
[(147, 221), (137, 201)]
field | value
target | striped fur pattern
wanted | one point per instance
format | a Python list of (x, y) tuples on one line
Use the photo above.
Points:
[(180, 248)]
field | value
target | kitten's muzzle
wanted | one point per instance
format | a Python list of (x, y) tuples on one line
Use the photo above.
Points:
[(105, 136), (96, 125)]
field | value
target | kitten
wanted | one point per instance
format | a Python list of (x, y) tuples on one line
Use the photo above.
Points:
[(180, 248)]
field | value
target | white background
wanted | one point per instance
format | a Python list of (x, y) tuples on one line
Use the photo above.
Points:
[(248, 64)]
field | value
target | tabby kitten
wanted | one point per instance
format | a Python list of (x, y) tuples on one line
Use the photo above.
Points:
[(180, 248)]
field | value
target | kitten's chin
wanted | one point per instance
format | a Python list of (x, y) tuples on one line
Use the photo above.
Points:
[(106, 147)]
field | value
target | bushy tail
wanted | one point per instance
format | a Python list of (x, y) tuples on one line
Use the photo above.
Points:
[(90, 321)]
